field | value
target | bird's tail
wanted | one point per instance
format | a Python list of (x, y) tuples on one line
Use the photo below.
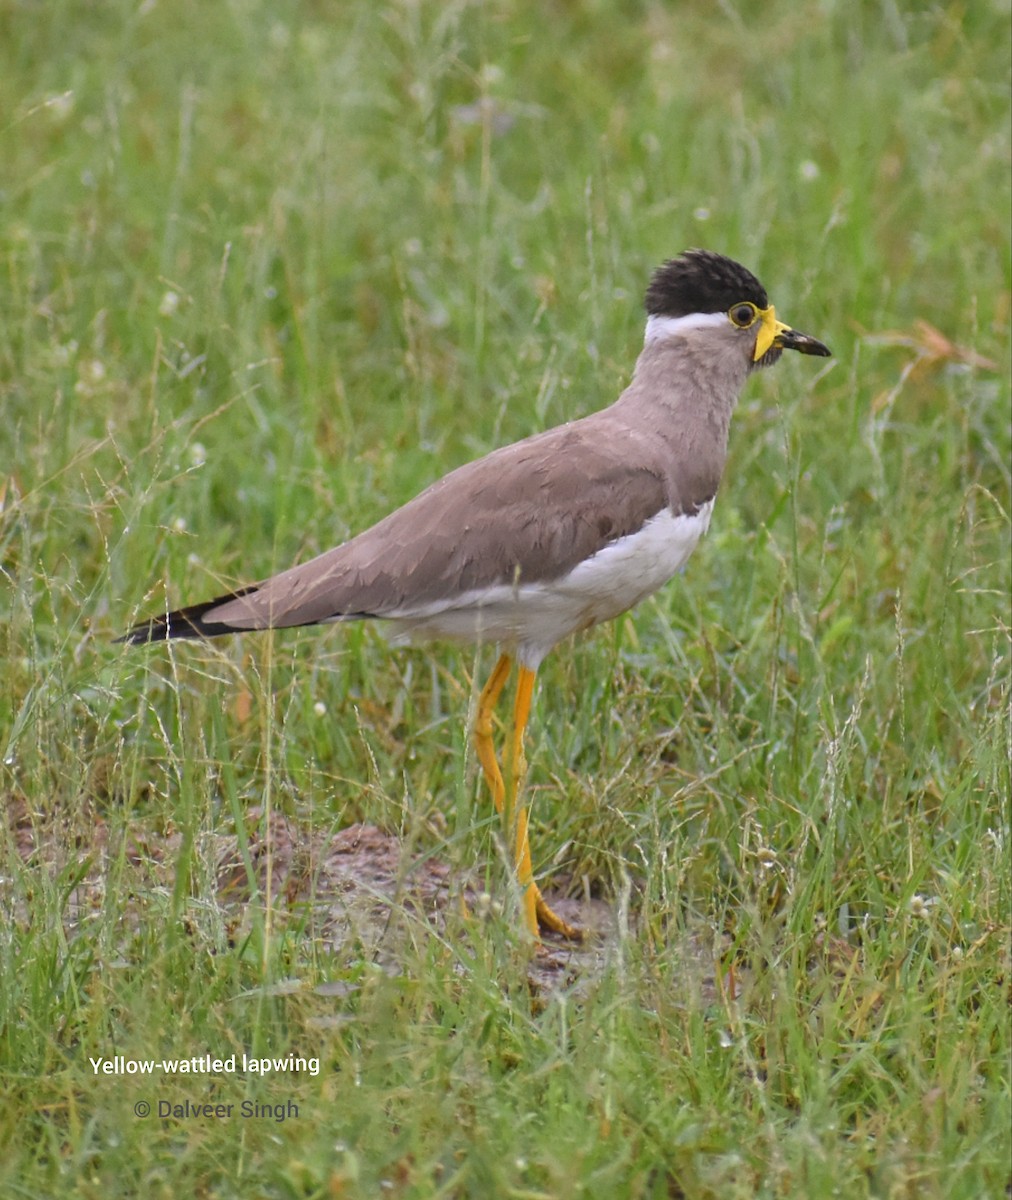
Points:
[(189, 622)]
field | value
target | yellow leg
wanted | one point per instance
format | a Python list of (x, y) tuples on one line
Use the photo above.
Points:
[(538, 914), (514, 811), (483, 728)]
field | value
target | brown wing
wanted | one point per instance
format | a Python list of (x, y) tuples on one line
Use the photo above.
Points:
[(528, 512)]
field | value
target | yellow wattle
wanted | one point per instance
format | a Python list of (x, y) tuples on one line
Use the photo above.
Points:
[(768, 331)]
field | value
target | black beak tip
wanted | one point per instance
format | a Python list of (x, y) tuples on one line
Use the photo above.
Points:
[(791, 339)]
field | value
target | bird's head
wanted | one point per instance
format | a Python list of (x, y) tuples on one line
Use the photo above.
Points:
[(716, 303)]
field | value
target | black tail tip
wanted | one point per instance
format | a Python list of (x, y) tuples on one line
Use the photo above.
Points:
[(190, 622), (155, 629)]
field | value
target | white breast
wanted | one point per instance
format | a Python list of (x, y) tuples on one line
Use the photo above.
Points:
[(532, 618)]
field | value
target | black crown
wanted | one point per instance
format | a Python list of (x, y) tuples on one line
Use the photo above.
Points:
[(700, 281)]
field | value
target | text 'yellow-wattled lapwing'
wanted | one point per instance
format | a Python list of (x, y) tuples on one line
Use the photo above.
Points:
[(551, 535)]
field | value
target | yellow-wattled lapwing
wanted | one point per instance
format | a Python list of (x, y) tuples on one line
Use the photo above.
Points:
[(551, 535)]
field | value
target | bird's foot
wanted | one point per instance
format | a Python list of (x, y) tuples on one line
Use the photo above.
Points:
[(549, 921)]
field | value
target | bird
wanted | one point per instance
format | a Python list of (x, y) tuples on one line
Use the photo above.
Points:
[(548, 536)]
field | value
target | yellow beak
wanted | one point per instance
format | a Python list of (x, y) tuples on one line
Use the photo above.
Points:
[(775, 333)]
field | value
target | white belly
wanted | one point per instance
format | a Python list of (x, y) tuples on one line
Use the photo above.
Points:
[(532, 618)]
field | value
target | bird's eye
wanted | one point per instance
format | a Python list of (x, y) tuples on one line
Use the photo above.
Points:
[(743, 315)]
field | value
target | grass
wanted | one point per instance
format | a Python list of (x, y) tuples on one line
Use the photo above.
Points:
[(270, 269)]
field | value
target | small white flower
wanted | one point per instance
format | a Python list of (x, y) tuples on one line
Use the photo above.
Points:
[(808, 171), (179, 524), (65, 353), (90, 376), (198, 454), (60, 106), (921, 906), (320, 708), (486, 907), (701, 213), (169, 304)]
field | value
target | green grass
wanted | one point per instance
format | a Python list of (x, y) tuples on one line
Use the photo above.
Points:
[(270, 269)]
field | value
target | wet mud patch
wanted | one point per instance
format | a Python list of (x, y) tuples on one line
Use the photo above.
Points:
[(366, 888), (359, 893)]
